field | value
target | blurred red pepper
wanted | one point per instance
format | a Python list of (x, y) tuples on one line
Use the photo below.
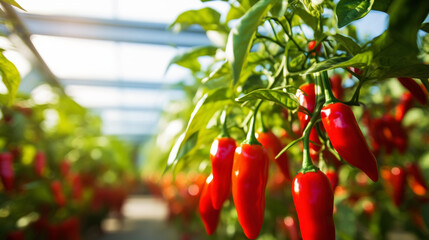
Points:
[(416, 180), (65, 168), (358, 71), (208, 213), (70, 229), (405, 104), (313, 197), (347, 139), (273, 145), (336, 84), (333, 178), (415, 89), (312, 45), (307, 99), (249, 179), (290, 225), (16, 235), (39, 163), (395, 133), (6, 171), (57, 191), (222, 159), (395, 179)]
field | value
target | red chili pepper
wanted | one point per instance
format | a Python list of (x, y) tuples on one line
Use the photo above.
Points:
[(312, 45), (405, 104), (76, 187), (290, 225), (307, 98), (314, 198), (39, 163), (397, 180), (333, 178), (336, 84), (209, 214), (16, 235), (347, 138), (6, 171), (222, 159), (416, 90), (273, 145), (416, 180), (65, 168), (249, 179), (395, 135), (358, 71), (59, 197)]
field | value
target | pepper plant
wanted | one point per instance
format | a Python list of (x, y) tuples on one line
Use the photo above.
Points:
[(299, 69)]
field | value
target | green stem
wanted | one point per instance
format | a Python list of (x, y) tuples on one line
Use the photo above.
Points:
[(251, 139), (224, 132), (264, 128), (329, 96), (270, 39)]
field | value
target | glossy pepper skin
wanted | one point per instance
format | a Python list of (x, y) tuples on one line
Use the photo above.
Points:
[(39, 163), (416, 180), (6, 171), (273, 145), (314, 201), (57, 191), (312, 45), (249, 179), (222, 159), (416, 90), (347, 139), (307, 98), (405, 104), (208, 213), (336, 84)]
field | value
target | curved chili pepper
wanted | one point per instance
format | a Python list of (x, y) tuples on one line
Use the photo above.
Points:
[(347, 139), (416, 90), (249, 179), (307, 98), (39, 163), (416, 180), (222, 159), (273, 145), (208, 213), (314, 202), (336, 84), (333, 178), (6, 170), (397, 180), (405, 104), (59, 197)]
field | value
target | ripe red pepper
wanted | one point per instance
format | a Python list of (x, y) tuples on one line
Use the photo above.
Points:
[(39, 163), (290, 225), (336, 84), (208, 213), (347, 138), (395, 135), (273, 145), (56, 188), (6, 171), (314, 198), (416, 90), (65, 168), (405, 103), (249, 179), (222, 159), (76, 187), (307, 98), (416, 180), (312, 45), (333, 178), (397, 180)]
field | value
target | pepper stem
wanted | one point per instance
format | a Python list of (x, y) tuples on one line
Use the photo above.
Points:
[(251, 139), (329, 96), (261, 120), (224, 131)]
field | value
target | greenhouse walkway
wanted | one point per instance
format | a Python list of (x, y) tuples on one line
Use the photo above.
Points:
[(144, 218)]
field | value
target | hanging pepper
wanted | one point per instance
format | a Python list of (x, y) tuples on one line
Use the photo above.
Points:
[(290, 225), (397, 180), (273, 145), (416, 179), (416, 90), (222, 159), (57, 191), (333, 178), (39, 163), (6, 171), (208, 213), (337, 88), (405, 104), (65, 168), (249, 180), (312, 45), (307, 98), (395, 134)]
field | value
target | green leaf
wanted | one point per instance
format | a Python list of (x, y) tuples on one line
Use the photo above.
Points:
[(381, 5), (285, 99), (348, 11), (313, 7), (13, 3), (360, 60), (207, 18), (349, 44), (308, 19), (189, 59), (241, 36), (10, 77), (425, 27), (235, 13)]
